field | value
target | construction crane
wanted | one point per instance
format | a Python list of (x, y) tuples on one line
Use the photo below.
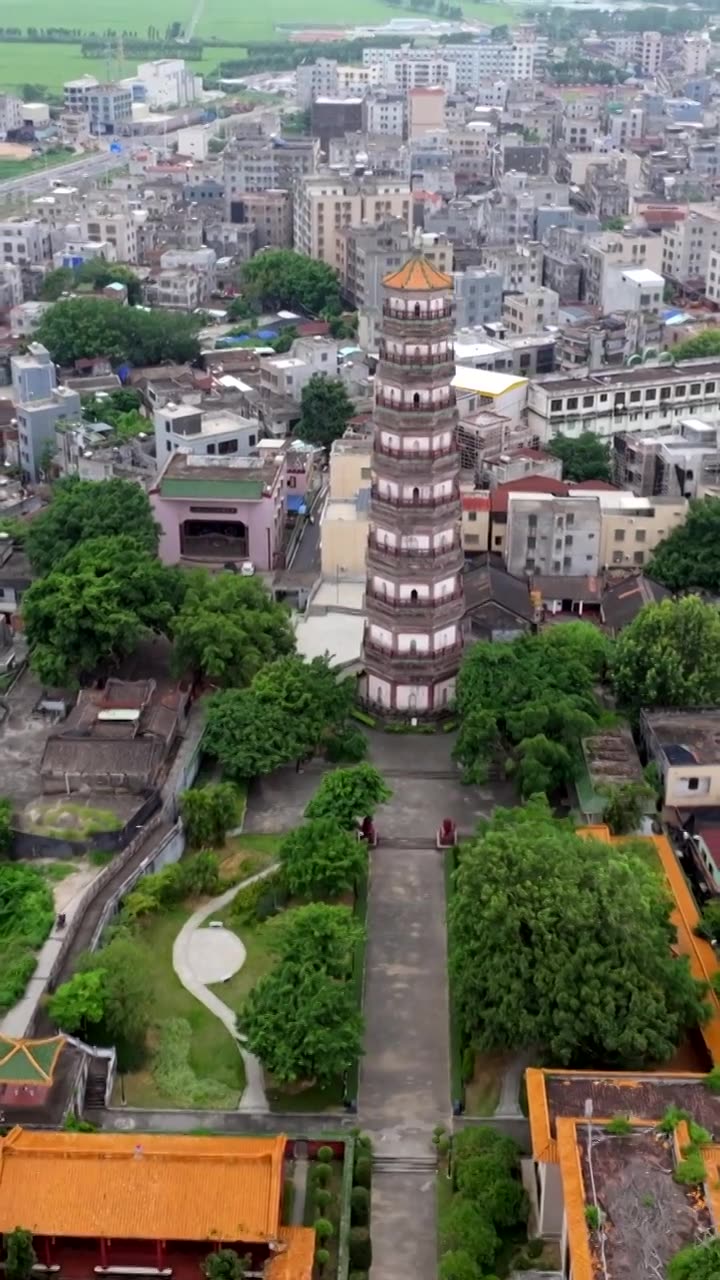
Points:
[(189, 31)]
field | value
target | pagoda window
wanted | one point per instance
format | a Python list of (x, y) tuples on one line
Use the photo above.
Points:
[(416, 494), (416, 400)]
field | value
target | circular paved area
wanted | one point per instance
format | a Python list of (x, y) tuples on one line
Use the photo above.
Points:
[(215, 954)]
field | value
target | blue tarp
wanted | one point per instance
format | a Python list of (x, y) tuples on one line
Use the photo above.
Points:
[(296, 504)]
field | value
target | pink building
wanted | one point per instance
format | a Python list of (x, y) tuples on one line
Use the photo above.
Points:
[(214, 511)]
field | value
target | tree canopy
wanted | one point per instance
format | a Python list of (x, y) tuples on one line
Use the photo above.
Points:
[(94, 607), (537, 696), (76, 328), (107, 999), (20, 1255), (669, 656), (326, 410), (285, 714), (348, 795), (229, 627), (565, 943), (689, 557), (96, 272), (302, 1019), (284, 278), (697, 1262), (225, 1264), (321, 860), (84, 509), (208, 813), (706, 343), (583, 457)]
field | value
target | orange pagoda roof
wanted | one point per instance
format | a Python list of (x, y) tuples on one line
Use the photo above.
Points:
[(418, 274), (141, 1186)]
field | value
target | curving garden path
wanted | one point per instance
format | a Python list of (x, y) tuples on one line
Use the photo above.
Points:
[(253, 1097)]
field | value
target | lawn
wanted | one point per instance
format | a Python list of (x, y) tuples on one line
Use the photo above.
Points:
[(69, 820), (34, 164)]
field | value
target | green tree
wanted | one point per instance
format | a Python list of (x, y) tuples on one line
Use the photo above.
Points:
[(542, 765), (696, 1262), (326, 410), (208, 813), (302, 1024), (689, 558), (457, 1264), (246, 736), (229, 627), (224, 1264), (321, 860), (625, 806), (284, 278), (6, 833), (487, 1182), (615, 223), (79, 1003), (100, 273), (109, 407), (126, 1016), (347, 795), (584, 457), (75, 328), (706, 343), (317, 937), (464, 1227), (310, 693), (566, 943), (476, 744), (93, 608), (57, 282), (669, 656), (84, 509), (20, 1256)]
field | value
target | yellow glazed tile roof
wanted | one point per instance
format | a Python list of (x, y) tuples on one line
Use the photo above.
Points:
[(295, 1262), (141, 1186), (416, 275)]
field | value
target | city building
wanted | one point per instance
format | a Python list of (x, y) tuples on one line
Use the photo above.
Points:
[(478, 297), (39, 405), (384, 112), (12, 114), (682, 463), (150, 1202), (75, 94), (684, 746), (268, 212), (25, 241), (696, 48), (318, 79), (689, 243), (414, 596), (334, 117), (109, 107), (218, 511), (528, 313), (426, 111), (203, 431), (344, 522), (104, 225), (325, 205), (166, 82), (267, 164)]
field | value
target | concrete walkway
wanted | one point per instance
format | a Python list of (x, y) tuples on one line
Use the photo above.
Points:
[(254, 1097)]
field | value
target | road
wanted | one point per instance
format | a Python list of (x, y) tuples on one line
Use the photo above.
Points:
[(93, 165)]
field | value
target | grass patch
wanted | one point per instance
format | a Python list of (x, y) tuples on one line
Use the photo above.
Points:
[(443, 1200), (211, 1054), (26, 918), (482, 1093), (306, 1100), (10, 168), (243, 856), (68, 820), (54, 872), (259, 960)]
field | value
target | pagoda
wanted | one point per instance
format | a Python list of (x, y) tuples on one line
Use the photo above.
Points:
[(414, 595)]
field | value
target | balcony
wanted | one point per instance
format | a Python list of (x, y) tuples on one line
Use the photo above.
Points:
[(412, 663), (416, 558), (418, 361), (420, 602), (423, 612), (416, 503), (395, 313), (415, 455), (406, 406)]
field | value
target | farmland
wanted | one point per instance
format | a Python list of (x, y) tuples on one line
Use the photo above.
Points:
[(221, 19)]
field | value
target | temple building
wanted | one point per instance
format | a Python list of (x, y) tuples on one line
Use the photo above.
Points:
[(414, 594), (149, 1205)]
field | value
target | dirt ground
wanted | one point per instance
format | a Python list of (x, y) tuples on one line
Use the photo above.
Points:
[(14, 151)]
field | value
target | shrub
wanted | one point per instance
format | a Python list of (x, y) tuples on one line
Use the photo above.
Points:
[(534, 1248), (323, 1173), (691, 1170), (364, 1142), (174, 1076), (325, 1155), (323, 1228), (618, 1125), (363, 1171), (699, 1136), (322, 1257), (346, 745), (363, 717), (592, 1216), (322, 1198), (360, 1206), (672, 1118), (360, 1248), (712, 1080), (250, 903)]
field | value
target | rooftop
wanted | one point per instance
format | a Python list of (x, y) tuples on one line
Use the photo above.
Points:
[(190, 475), (607, 379), (29, 1061), (418, 275), (686, 737), (623, 600), (611, 757), (486, 382), (141, 1186)]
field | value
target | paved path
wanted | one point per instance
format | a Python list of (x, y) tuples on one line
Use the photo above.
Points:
[(254, 1097)]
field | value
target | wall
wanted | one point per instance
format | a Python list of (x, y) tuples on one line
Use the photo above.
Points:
[(258, 516), (620, 532), (678, 793), (346, 472), (343, 540)]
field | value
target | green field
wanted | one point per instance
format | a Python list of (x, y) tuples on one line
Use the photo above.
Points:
[(222, 19)]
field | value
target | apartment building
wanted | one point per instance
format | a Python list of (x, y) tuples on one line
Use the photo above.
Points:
[(415, 68), (167, 82), (695, 51), (39, 405), (269, 212), (109, 107), (614, 401), (334, 117), (325, 205), (682, 463), (520, 266), (75, 94), (385, 155), (118, 229), (177, 288), (471, 62), (528, 313), (426, 112), (210, 432), (384, 112), (650, 53), (584, 531), (265, 164), (316, 79), (607, 250), (12, 114), (25, 241), (478, 297), (687, 246)]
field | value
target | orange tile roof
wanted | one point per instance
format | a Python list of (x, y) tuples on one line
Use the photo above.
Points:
[(417, 275), (141, 1186), (574, 1198), (295, 1262)]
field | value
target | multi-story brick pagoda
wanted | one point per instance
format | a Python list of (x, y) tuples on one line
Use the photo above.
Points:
[(414, 596)]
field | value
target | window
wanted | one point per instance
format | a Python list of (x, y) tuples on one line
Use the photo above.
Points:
[(556, 406), (365, 473), (497, 541), (651, 393), (635, 396), (639, 557), (570, 519), (210, 448), (603, 397), (532, 522), (693, 784), (168, 446), (532, 543), (709, 388), (588, 402), (639, 535), (619, 535), (665, 393), (472, 516), (680, 391), (617, 557), (568, 540)]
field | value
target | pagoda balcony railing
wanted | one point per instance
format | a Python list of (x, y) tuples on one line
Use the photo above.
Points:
[(411, 656), (429, 502), (420, 602), (415, 455), (418, 361), (395, 313), (410, 553), (407, 406)]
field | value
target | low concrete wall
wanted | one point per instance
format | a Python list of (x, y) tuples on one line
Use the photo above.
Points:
[(294, 1124), (515, 1127)]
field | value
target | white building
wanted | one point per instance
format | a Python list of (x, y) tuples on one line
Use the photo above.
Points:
[(76, 93), (218, 432), (25, 241), (384, 113), (195, 140), (471, 62), (11, 286), (525, 313), (687, 246), (318, 79), (651, 52), (168, 82), (696, 48), (120, 229), (11, 114), (25, 317)]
